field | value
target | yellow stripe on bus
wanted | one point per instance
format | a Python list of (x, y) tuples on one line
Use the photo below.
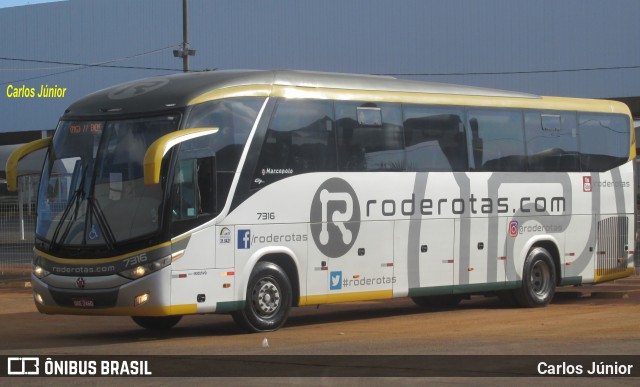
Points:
[(603, 275), (543, 102), (122, 311), (87, 261), (232, 92), (301, 92), (346, 297)]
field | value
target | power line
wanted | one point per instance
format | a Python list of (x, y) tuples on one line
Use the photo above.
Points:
[(80, 66), (40, 76), (88, 64), (514, 72), (38, 68), (75, 65), (105, 64)]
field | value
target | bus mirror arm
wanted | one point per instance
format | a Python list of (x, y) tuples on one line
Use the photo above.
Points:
[(159, 148), (17, 155)]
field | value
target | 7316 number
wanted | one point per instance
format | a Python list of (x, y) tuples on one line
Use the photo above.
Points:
[(266, 215)]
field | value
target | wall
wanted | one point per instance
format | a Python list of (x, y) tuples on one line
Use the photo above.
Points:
[(515, 45)]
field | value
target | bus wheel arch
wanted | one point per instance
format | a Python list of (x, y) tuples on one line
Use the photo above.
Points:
[(552, 248), (539, 277), (290, 268), (269, 295)]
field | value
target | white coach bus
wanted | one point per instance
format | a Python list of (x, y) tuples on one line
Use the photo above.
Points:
[(251, 192)]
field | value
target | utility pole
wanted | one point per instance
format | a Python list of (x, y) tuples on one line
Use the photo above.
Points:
[(185, 52)]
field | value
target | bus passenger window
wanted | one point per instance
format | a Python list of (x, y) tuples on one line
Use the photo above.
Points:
[(369, 137), (435, 139), (552, 141), (496, 141), (604, 141), (234, 118), (300, 139)]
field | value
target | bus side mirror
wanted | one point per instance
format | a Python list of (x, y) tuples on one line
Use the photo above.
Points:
[(160, 147), (17, 155)]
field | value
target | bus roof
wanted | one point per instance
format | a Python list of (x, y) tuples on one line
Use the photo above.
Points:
[(169, 92)]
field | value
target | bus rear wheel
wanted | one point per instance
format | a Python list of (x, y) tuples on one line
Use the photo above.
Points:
[(538, 279), (268, 299), (156, 323)]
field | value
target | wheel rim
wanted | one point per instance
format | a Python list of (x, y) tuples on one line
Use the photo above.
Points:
[(541, 279), (266, 297)]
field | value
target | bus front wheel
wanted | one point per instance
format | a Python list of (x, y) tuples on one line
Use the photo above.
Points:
[(538, 279), (268, 299), (156, 323)]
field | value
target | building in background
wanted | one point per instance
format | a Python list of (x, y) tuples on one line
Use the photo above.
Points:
[(567, 48), (70, 48), (74, 47)]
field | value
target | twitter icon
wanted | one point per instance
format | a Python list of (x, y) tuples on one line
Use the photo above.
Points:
[(336, 280)]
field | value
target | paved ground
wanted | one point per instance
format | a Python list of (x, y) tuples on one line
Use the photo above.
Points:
[(599, 320)]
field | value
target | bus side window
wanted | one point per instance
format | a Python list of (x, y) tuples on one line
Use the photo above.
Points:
[(497, 140), (552, 141), (604, 141), (193, 190), (184, 190), (435, 139), (300, 139), (370, 136)]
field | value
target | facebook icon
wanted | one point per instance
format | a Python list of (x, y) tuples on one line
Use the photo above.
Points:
[(244, 239)]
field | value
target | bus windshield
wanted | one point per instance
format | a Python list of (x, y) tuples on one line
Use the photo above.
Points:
[(92, 191)]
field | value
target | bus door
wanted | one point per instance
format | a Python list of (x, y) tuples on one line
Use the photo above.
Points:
[(353, 262), (480, 257), (428, 246), (579, 250)]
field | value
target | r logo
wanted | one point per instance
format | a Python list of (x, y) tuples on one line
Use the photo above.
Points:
[(335, 217), (135, 89)]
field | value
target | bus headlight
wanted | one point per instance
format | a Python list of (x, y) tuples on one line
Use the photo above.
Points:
[(39, 272), (147, 268)]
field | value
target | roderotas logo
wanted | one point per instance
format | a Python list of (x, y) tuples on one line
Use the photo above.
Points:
[(335, 217)]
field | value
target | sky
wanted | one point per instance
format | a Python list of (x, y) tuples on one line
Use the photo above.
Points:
[(16, 3)]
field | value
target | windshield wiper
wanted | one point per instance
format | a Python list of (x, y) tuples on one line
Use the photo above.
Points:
[(97, 212), (73, 202)]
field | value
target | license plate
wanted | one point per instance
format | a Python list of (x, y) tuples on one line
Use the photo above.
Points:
[(83, 302)]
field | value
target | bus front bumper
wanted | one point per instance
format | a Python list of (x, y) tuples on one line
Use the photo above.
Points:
[(108, 295)]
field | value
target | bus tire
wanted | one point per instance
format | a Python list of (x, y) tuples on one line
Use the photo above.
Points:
[(440, 302), (268, 299), (538, 279), (156, 323)]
